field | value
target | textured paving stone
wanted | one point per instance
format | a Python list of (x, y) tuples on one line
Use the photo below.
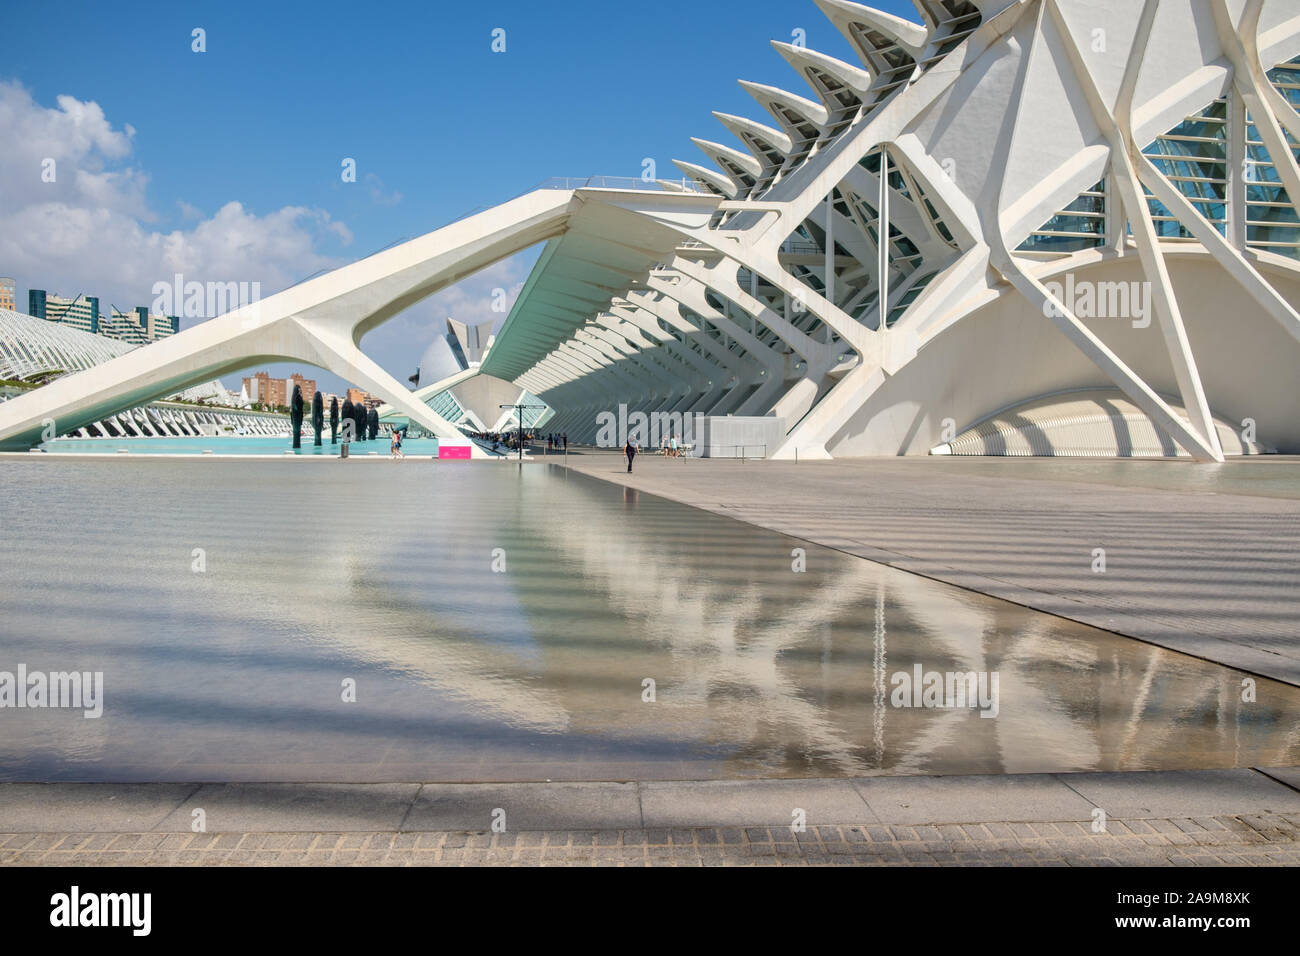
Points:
[(90, 807), (303, 807), (1223, 834), (972, 799), (1174, 794), (526, 806), (735, 802)]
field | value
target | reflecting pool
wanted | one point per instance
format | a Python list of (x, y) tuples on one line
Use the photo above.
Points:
[(233, 445), (417, 620)]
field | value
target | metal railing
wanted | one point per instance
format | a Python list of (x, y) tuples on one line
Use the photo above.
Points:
[(737, 451), (802, 249), (623, 182)]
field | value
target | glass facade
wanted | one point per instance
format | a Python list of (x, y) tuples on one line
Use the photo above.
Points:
[(1194, 157), (1080, 225), (1271, 221)]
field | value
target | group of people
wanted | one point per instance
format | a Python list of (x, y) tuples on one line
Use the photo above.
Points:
[(554, 440), (671, 447), (510, 439), (503, 439), (668, 447)]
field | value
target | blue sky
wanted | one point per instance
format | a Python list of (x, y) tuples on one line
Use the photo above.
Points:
[(438, 125)]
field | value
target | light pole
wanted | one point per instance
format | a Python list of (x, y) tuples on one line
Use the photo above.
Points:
[(519, 416)]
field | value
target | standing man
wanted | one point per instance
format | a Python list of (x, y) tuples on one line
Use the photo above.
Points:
[(630, 450)]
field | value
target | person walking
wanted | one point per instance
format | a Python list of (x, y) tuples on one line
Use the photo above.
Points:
[(630, 450)]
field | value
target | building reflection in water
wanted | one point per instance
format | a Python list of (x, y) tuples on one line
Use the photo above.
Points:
[(768, 670), (500, 623)]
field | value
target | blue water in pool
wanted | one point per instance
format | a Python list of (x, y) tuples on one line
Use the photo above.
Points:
[(234, 445)]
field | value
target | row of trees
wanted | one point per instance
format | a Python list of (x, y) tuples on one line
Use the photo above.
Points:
[(357, 422), (35, 379)]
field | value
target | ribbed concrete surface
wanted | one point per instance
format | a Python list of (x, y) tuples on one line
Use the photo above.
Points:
[(1201, 559), (1196, 818)]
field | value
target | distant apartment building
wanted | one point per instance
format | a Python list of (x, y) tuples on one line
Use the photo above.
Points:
[(130, 326), (263, 389), (8, 291), (80, 313), (162, 326), (137, 327), (308, 386), (357, 396)]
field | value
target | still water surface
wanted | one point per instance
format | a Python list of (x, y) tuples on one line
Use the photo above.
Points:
[(383, 575), (233, 445)]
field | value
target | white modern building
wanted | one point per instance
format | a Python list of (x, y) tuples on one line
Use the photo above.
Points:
[(32, 347), (29, 345), (1009, 227), (470, 400)]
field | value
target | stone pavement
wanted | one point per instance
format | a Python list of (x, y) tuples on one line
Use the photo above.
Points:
[(1175, 818), (1199, 558), (1264, 840)]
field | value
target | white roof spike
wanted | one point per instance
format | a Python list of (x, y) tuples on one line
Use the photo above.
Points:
[(743, 127), (910, 36), (708, 177), (803, 59), (926, 9), (768, 96), (935, 12), (725, 156)]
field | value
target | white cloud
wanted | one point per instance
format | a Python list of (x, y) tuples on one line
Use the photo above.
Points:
[(88, 230), (377, 194)]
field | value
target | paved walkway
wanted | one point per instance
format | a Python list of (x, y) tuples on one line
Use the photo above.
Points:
[(1182, 818), (1201, 559), (1212, 841)]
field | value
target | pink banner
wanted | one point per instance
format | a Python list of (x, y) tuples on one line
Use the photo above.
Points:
[(453, 451)]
